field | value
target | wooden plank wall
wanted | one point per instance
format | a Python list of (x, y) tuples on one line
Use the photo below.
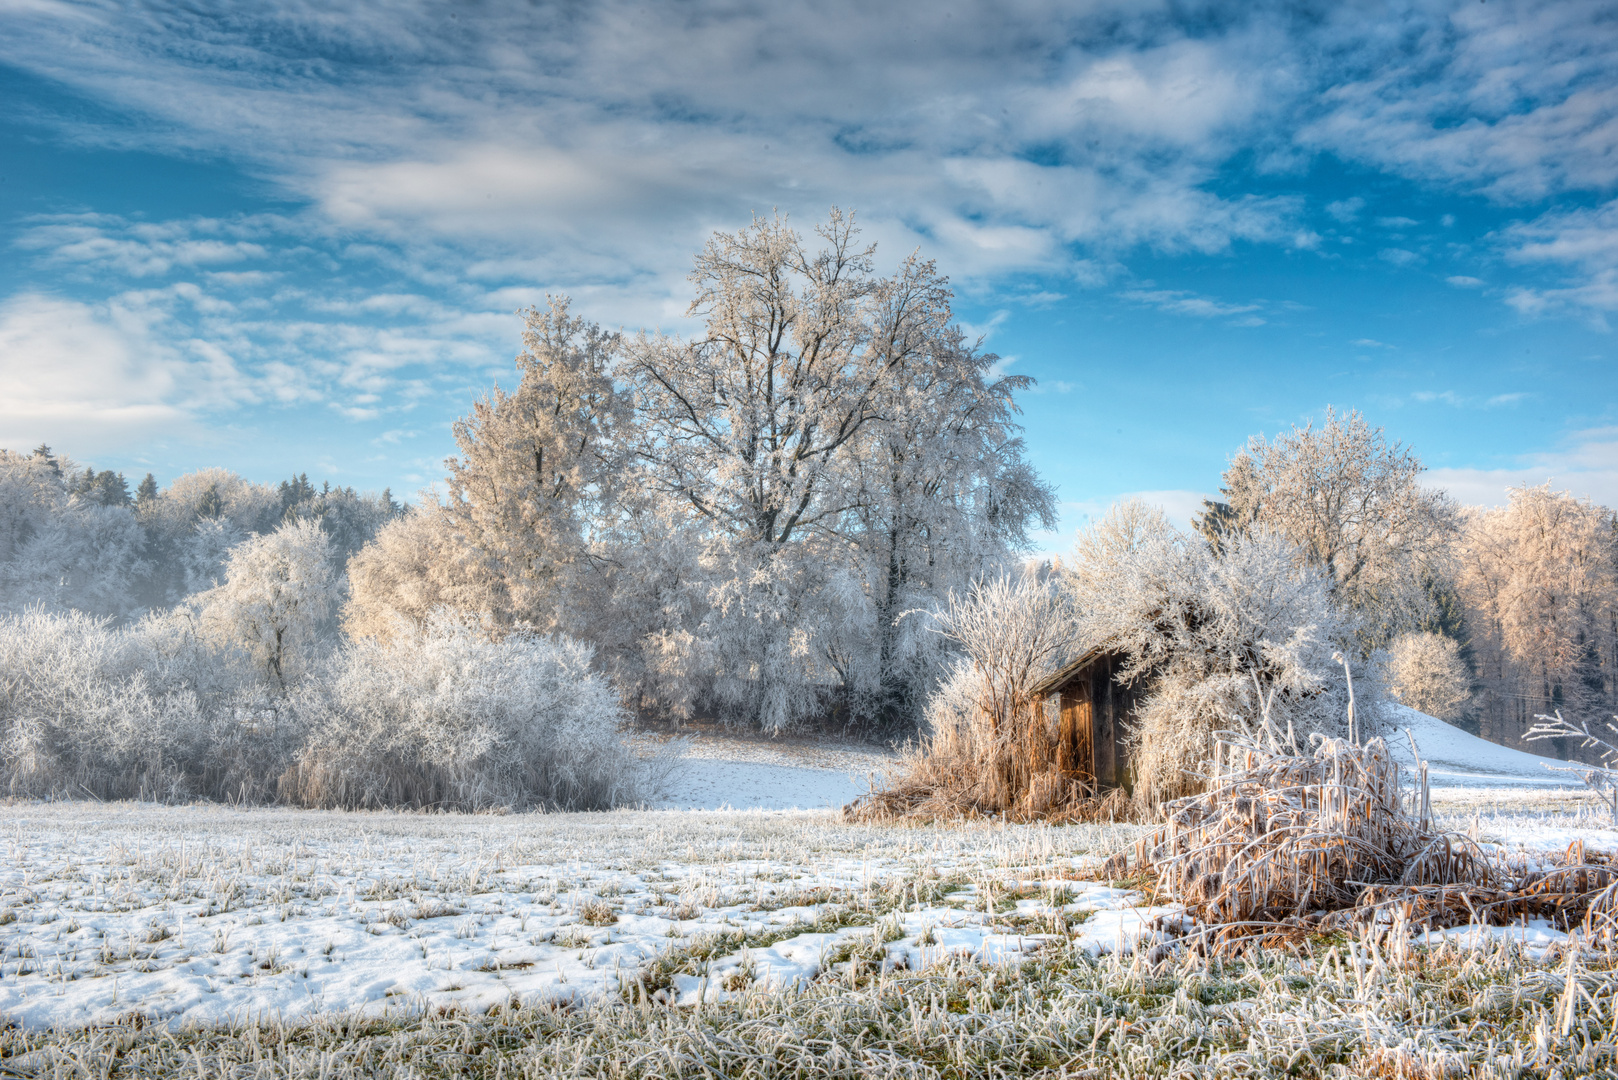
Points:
[(1095, 716)]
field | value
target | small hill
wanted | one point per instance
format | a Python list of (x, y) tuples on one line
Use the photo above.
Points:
[(1457, 759)]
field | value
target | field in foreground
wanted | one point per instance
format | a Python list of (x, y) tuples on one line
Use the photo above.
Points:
[(230, 942)]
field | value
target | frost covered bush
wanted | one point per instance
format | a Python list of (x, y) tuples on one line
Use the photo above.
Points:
[(147, 711), (278, 591), (1426, 672), (444, 717), (1234, 639)]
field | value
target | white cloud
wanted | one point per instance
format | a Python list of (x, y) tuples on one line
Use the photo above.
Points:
[(608, 141), (133, 249), (1467, 401), (1180, 302), (1587, 465), (75, 380), (1583, 243), (1346, 210), (1399, 256), (1515, 101), (1178, 506), (1461, 281)]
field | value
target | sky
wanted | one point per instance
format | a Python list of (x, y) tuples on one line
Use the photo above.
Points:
[(294, 237)]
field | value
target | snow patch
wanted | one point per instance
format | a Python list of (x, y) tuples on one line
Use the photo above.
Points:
[(1458, 759)]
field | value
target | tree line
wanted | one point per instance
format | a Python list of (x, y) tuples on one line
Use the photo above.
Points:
[(1485, 616)]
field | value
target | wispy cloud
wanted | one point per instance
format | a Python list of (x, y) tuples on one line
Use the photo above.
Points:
[(1399, 257), (1346, 210), (1181, 302), (1458, 400), (1531, 128), (1583, 244)]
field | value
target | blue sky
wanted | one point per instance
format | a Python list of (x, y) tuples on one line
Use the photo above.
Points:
[(289, 237)]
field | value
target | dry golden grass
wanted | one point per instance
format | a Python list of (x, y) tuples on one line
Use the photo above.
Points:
[(1283, 846), (954, 777)]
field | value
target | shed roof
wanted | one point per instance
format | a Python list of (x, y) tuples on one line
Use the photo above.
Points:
[(1054, 682)]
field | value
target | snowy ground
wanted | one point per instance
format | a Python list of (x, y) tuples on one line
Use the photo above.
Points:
[(723, 772), (1458, 759), (206, 914)]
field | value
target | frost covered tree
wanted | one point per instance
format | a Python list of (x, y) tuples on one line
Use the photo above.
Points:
[(193, 523), (807, 429), (61, 544), (651, 585), (533, 462), (1426, 672), (942, 495), (1236, 639), (1539, 581), (1352, 502), (278, 592), (750, 421), (417, 565), (350, 519)]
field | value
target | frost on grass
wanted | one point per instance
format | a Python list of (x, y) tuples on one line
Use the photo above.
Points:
[(210, 915), (768, 944), (1337, 1009)]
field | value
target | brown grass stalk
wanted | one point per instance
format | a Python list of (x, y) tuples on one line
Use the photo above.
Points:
[(1287, 845)]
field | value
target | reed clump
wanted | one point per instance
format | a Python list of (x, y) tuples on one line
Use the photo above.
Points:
[(949, 777), (1286, 845)]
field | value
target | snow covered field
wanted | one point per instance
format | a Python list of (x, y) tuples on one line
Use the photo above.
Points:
[(723, 772), (208, 914)]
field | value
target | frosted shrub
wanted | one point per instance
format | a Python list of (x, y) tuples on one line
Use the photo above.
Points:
[(1237, 639), (1426, 672), (141, 712), (445, 718), (989, 748)]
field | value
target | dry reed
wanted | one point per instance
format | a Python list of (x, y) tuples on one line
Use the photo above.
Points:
[(1281, 846), (1008, 771)]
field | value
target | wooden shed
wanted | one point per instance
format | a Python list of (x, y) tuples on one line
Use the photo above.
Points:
[(1097, 713)]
